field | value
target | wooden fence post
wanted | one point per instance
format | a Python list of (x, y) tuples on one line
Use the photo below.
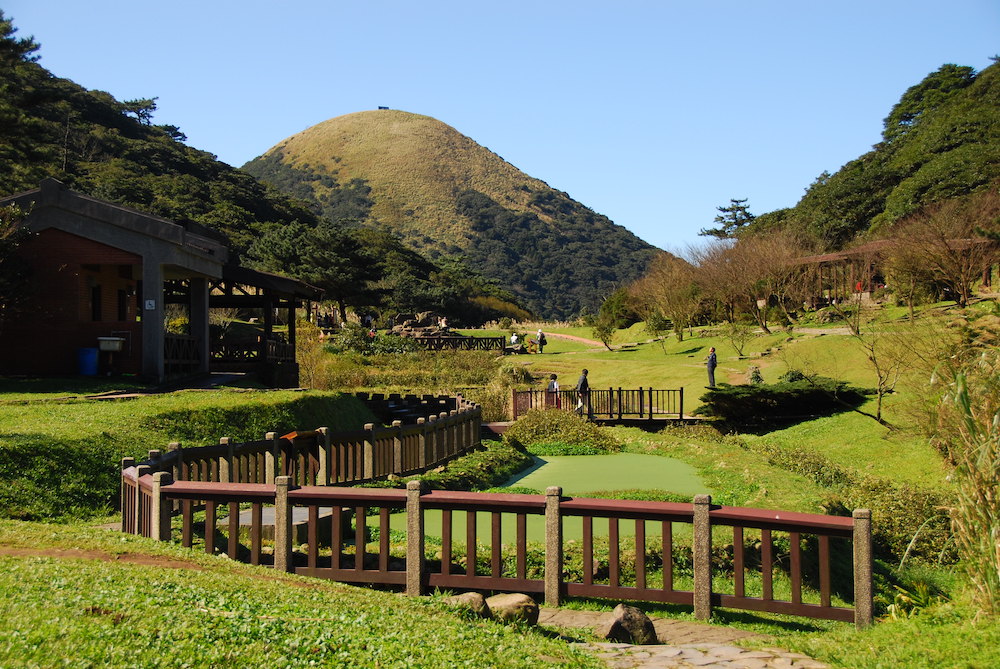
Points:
[(282, 524), (414, 539), (226, 462), (435, 442), (271, 458), (863, 614), (368, 454), (512, 412), (553, 546), (422, 443), (323, 467), (702, 557), (397, 447), (680, 404), (160, 509)]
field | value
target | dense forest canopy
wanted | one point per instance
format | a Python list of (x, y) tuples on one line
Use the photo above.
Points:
[(95, 144), (940, 141)]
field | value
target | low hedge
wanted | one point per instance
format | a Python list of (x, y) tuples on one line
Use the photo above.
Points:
[(789, 399), (555, 426)]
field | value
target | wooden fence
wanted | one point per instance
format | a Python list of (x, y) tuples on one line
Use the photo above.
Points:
[(610, 404), (613, 566), (461, 343)]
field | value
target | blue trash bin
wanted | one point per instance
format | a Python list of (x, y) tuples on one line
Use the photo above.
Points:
[(86, 360)]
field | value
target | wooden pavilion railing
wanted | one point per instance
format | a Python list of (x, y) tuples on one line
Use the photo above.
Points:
[(181, 354), (336, 520), (610, 404)]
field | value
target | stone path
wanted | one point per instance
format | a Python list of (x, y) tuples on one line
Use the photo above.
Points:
[(683, 644)]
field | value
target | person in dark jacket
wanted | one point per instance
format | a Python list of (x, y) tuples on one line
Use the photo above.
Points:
[(583, 395), (711, 363)]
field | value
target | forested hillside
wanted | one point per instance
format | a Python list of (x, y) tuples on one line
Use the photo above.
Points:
[(52, 127), (452, 198), (940, 141)]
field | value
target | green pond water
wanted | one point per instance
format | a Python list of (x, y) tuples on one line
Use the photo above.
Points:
[(578, 475)]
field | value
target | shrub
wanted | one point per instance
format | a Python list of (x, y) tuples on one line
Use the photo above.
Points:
[(761, 402), (540, 426), (495, 463)]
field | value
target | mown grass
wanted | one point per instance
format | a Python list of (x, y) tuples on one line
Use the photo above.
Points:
[(66, 611)]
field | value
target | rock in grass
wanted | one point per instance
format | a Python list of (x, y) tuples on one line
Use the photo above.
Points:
[(514, 607), (627, 624), (470, 600)]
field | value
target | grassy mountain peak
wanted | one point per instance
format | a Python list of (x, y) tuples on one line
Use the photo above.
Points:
[(447, 195)]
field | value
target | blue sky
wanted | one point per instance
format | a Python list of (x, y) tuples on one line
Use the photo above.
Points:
[(652, 113)]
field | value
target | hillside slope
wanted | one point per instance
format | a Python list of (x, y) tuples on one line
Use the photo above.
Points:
[(940, 141), (448, 196)]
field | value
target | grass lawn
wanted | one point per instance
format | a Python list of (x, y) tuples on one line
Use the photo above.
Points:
[(76, 596)]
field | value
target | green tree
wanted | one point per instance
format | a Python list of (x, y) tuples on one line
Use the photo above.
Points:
[(14, 272), (730, 220), (936, 88)]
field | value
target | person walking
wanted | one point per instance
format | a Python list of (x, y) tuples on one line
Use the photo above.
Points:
[(540, 338), (552, 393), (583, 395), (711, 364)]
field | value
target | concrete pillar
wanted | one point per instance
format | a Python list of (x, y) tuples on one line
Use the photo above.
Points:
[(553, 546), (702, 557), (160, 508), (198, 320), (153, 328), (414, 539), (282, 525), (863, 613)]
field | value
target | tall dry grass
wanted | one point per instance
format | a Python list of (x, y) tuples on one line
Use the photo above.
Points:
[(969, 432)]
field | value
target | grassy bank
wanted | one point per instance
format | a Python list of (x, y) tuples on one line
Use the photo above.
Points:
[(59, 458)]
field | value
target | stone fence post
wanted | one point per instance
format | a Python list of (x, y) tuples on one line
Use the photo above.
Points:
[(160, 509), (414, 539), (397, 447), (272, 458), (282, 524), (226, 462), (368, 453), (863, 613), (701, 551), (553, 546), (323, 453)]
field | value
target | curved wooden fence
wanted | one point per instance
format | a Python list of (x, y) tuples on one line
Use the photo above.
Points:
[(282, 501)]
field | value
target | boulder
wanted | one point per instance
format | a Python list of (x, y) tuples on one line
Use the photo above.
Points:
[(627, 624), (514, 607), (470, 600)]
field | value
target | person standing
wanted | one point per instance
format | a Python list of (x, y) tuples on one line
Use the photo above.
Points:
[(711, 364), (583, 395), (552, 393), (540, 338)]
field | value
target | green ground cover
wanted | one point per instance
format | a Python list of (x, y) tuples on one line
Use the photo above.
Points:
[(136, 608), (60, 458), (583, 474)]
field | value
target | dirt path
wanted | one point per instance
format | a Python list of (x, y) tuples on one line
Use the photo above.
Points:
[(591, 342)]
